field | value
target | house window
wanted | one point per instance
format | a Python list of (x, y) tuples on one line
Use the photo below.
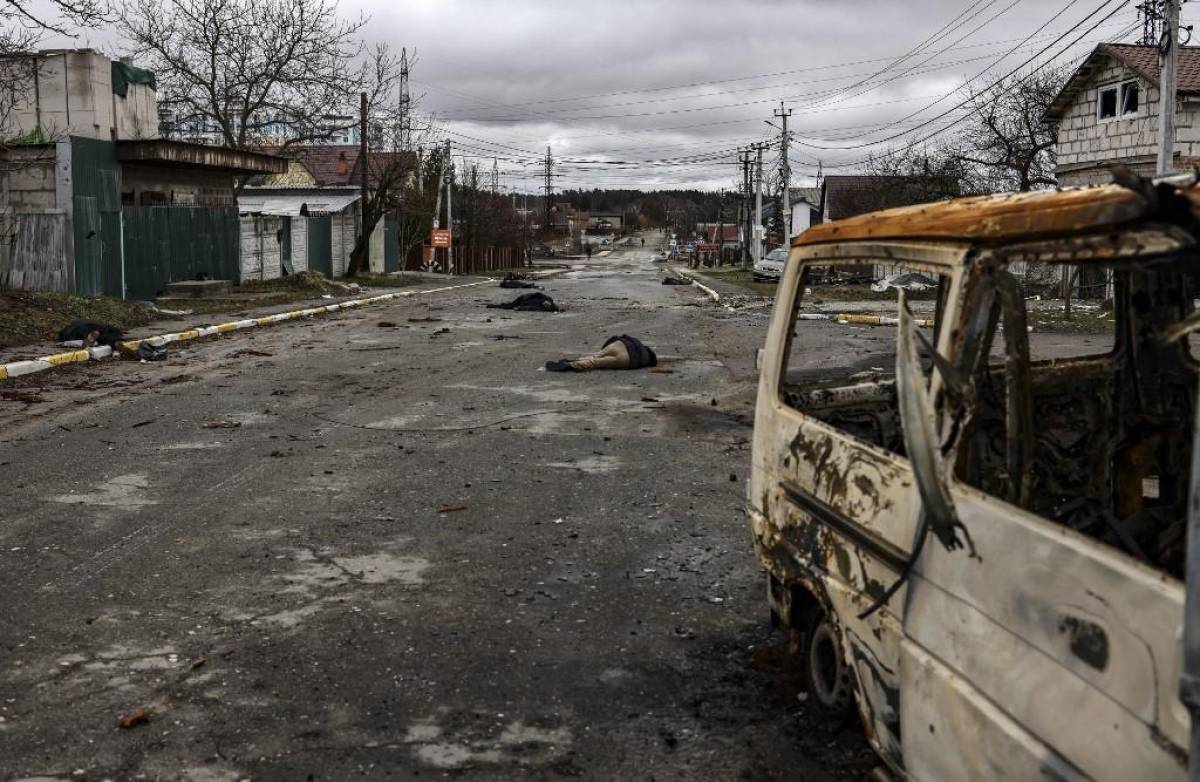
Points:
[(1108, 102), (1118, 100), (1129, 98)]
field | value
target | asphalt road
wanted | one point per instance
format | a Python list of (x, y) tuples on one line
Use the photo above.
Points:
[(343, 549)]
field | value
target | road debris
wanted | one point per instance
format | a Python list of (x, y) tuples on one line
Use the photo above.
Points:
[(138, 716), (90, 332)]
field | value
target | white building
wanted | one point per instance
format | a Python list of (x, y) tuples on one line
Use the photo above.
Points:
[(1107, 114)]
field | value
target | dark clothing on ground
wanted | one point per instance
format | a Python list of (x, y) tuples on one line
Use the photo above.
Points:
[(529, 302), (640, 356), (676, 281), (513, 281), (80, 329), (623, 352)]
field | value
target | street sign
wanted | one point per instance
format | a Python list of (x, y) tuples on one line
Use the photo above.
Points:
[(708, 248), (440, 237)]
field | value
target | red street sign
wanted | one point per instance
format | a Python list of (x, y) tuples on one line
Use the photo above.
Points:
[(708, 248), (440, 237)]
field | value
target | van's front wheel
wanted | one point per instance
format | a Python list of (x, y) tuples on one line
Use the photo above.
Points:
[(826, 674)]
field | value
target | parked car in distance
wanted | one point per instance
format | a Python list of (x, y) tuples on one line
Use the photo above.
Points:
[(770, 268)]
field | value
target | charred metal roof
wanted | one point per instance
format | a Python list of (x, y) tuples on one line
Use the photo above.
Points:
[(1010, 217), (177, 153)]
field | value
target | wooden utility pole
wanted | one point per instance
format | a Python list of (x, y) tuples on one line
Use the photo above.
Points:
[(449, 210), (1168, 56)]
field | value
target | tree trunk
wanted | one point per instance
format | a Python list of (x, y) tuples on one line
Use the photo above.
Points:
[(358, 255)]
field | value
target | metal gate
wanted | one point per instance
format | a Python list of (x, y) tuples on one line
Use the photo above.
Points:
[(96, 220), (391, 245), (165, 244), (320, 245)]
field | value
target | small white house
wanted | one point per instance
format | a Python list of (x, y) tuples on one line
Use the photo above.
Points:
[(1107, 114), (294, 231)]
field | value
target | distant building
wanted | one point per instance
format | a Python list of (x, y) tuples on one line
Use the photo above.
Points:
[(806, 208), (93, 202), (1107, 114)]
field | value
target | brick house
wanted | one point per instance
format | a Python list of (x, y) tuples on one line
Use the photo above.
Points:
[(1107, 114)]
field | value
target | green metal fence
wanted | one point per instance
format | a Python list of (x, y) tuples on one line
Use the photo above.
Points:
[(164, 244), (391, 244), (95, 176), (320, 245)]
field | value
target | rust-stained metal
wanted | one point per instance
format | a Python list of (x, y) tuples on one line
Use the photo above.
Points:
[(1069, 478), (998, 218), (178, 153)]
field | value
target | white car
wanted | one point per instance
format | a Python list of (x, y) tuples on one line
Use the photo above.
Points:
[(771, 267)]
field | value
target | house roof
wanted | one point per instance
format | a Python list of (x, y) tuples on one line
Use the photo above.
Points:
[(335, 165), (295, 204), (178, 154), (1142, 60), (1009, 217)]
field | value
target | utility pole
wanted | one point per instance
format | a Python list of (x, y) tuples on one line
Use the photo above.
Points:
[(756, 244), (549, 185), (785, 173), (405, 104), (449, 209), (495, 177), (365, 167), (1168, 55)]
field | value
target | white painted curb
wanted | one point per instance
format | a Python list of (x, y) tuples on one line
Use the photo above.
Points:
[(42, 363)]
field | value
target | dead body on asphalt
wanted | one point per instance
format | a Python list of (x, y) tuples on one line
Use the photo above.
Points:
[(528, 302), (623, 352)]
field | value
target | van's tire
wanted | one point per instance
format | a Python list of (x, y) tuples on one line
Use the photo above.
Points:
[(827, 677)]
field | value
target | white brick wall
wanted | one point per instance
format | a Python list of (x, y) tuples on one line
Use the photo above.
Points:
[(260, 247), (300, 244), (1083, 138)]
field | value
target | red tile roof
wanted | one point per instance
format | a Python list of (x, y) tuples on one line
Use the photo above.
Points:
[(1142, 60)]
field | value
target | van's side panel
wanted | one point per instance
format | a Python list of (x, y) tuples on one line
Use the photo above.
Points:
[(1074, 641), (966, 738)]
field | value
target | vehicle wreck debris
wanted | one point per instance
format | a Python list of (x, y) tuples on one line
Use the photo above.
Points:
[(1054, 490)]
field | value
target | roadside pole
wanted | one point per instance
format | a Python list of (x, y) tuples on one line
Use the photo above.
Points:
[(785, 170), (449, 210), (1168, 55), (363, 165), (756, 240)]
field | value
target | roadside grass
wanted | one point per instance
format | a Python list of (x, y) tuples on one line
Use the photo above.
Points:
[(292, 289), (1082, 321), (519, 270), (740, 277), (37, 316)]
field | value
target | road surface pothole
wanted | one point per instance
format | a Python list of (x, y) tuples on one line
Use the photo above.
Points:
[(124, 492), (476, 742)]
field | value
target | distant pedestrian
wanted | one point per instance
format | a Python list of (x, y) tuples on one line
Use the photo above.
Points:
[(643, 242), (588, 249)]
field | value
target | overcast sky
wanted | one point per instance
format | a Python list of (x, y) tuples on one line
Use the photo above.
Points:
[(660, 80)]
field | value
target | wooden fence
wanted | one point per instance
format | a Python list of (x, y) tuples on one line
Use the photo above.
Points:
[(35, 252)]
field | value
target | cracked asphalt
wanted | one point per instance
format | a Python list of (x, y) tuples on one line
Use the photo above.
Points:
[(386, 544)]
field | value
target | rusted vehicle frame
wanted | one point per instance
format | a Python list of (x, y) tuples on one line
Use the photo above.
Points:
[(833, 512)]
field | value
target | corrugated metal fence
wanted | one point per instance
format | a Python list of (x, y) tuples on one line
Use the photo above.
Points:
[(35, 252), (164, 244)]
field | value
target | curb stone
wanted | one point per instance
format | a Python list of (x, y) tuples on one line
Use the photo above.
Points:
[(42, 363)]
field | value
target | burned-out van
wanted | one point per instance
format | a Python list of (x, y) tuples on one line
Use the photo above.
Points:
[(982, 549)]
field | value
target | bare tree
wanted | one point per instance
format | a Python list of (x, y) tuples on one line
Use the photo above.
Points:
[(1006, 139), (257, 72)]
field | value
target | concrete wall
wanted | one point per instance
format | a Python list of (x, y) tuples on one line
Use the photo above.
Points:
[(300, 244), (345, 228), (69, 93), (27, 179), (376, 253), (260, 248)]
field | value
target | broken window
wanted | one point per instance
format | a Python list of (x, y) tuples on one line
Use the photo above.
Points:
[(1129, 98), (1092, 431), (1108, 102), (842, 372)]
